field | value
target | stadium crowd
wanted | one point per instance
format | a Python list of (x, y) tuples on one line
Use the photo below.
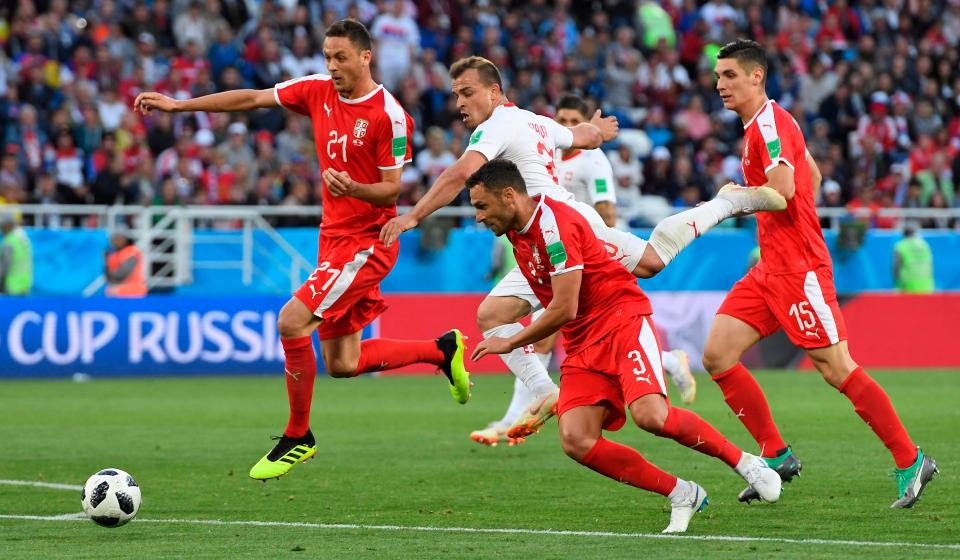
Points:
[(875, 87)]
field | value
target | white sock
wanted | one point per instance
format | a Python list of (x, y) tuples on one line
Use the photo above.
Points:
[(545, 360), (745, 459), (682, 488), (522, 398), (670, 363), (674, 233), (526, 367)]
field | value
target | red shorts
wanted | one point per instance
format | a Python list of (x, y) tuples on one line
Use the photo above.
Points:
[(344, 290), (621, 367), (803, 303)]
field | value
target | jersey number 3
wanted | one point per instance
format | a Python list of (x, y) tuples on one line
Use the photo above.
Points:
[(551, 164)]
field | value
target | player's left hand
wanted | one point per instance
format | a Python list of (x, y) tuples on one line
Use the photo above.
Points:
[(609, 127), (492, 345), (338, 183), (391, 230)]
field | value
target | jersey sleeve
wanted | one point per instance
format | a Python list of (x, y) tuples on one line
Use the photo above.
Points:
[(562, 241), (395, 136), (489, 139), (300, 94), (779, 139), (562, 136), (600, 179)]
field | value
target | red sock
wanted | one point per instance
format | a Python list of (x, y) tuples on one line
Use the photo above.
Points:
[(301, 370), (873, 405), (628, 466), (383, 353), (747, 401), (686, 428)]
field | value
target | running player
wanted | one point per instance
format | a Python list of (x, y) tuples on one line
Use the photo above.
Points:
[(792, 286), (363, 140), (531, 141), (588, 176), (613, 357)]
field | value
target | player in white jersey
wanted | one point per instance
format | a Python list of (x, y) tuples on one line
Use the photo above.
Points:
[(588, 176), (502, 130)]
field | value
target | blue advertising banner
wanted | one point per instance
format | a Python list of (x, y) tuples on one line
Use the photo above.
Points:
[(157, 335)]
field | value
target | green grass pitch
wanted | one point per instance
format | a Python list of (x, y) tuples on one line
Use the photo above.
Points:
[(394, 451)]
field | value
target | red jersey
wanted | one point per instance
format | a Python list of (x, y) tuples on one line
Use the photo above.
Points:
[(360, 136), (558, 240), (790, 241)]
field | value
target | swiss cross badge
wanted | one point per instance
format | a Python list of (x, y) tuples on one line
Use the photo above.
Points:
[(360, 129)]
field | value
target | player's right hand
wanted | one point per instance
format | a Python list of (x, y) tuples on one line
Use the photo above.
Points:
[(609, 127), (392, 229), (147, 101)]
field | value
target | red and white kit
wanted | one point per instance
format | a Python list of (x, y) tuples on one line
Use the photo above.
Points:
[(361, 137), (612, 350), (792, 286)]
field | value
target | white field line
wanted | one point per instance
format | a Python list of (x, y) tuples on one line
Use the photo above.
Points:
[(54, 485), (507, 531)]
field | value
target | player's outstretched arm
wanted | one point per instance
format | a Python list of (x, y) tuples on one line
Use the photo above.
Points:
[(562, 309), (222, 102), (443, 192)]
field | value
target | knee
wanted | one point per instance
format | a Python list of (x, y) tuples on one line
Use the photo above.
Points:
[(490, 315), (286, 326), (291, 324), (650, 418), (577, 444), (834, 374), (340, 368), (717, 361)]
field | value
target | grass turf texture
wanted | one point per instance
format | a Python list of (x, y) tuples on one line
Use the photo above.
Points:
[(395, 451)]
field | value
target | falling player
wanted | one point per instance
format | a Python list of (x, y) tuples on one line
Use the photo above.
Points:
[(588, 176), (362, 136), (501, 129), (613, 357), (792, 286)]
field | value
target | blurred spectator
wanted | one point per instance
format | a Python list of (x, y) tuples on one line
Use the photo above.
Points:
[(16, 257), (397, 40), (124, 268), (913, 263), (436, 158)]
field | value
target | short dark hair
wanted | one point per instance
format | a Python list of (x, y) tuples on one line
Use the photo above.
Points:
[(747, 53), (489, 73), (496, 175), (353, 30), (575, 102)]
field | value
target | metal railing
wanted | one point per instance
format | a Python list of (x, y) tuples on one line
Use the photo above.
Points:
[(119, 218), (167, 235)]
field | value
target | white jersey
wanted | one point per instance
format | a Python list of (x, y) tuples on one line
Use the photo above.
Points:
[(530, 141), (587, 174)]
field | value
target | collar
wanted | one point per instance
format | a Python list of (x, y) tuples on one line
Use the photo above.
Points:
[(536, 211), (757, 114)]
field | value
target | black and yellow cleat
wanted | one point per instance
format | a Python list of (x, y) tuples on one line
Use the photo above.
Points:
[(453, 348), (287, 453)]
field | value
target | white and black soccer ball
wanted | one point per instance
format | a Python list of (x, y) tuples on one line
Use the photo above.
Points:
[(111, 498)]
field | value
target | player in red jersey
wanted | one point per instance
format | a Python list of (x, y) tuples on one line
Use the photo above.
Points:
[(613, 357), (363, 140), (792, 286)]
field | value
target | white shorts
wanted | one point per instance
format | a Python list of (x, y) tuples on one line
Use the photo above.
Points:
[(623, 247)]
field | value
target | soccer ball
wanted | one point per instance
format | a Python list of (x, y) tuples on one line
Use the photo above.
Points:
[(111, 498)]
